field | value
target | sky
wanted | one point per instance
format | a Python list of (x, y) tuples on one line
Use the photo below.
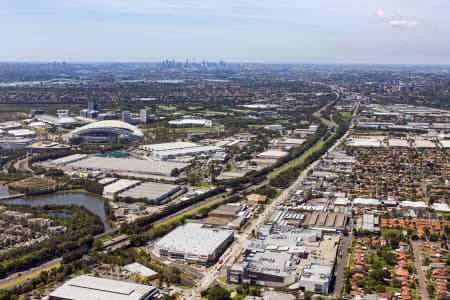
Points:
[(266, 31)]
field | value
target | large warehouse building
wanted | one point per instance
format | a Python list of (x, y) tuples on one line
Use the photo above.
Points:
[(167, 151), (89, 287), (127, 165), (153, 191), (104, 132), (194, 243), (191, 121)]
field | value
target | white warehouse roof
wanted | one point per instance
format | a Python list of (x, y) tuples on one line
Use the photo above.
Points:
[(128, 165), (194, 238), (140, 269), (118, 186), (94, 288), (169, 146), (189, 121), (445, 143)]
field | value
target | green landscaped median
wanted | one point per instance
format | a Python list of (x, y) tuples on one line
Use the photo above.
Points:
[(297, 161), (193, 211), (28, 276)]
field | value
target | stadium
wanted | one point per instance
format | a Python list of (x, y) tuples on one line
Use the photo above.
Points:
[(105, 132)]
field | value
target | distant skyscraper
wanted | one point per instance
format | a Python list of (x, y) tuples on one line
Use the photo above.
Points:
[(93, 105), (144, 116), (126, 117)]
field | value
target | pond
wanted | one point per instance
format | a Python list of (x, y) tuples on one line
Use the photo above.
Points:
[(90, 202)]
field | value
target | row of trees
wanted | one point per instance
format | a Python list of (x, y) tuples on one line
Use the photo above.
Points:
[(145, 223), (287, 177)]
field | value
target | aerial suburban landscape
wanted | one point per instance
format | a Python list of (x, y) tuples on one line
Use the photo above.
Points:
[(225, 150), (220, 180)]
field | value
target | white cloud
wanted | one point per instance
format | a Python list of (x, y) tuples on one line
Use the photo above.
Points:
[(394, 20), (382, 14), (405, 23)]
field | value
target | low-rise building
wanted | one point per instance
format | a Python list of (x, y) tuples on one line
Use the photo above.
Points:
[(89, 287), (254, 199), (316, 278), (140, 271), (152, 191), (118, 186), (272, 154), (274, 127)]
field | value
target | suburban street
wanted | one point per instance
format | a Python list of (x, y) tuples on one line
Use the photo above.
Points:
[(419, 271), (341, 264)]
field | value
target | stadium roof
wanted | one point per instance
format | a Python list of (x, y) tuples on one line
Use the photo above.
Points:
[(109, 124)]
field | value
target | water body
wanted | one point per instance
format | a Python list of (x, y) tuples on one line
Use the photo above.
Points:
[(91, 203), (217, 80), (3, 190), (61, 214)]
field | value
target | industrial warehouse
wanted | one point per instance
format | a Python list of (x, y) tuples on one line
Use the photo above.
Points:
[(89, 287), (130, 166), (151, 191), (194, 243), (169, 151)]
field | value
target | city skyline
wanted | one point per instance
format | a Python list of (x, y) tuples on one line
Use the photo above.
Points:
[(353, 32)]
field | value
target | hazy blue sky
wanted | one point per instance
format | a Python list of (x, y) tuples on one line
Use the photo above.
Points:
[(326, 31)]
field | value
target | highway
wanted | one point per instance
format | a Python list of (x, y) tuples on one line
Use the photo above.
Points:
[(21, 277)]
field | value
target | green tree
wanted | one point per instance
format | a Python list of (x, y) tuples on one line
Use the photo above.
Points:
[(218, 293)]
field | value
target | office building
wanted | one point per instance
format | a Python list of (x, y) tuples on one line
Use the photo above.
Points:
[(126, 117), (144, 116), (93, 105), (316, 278)]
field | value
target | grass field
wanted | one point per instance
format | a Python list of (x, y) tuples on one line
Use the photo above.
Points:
[(297, 161), (197, 129), (34, 184), (328, 122), (345, 114), (167, 107), (28, 276)]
